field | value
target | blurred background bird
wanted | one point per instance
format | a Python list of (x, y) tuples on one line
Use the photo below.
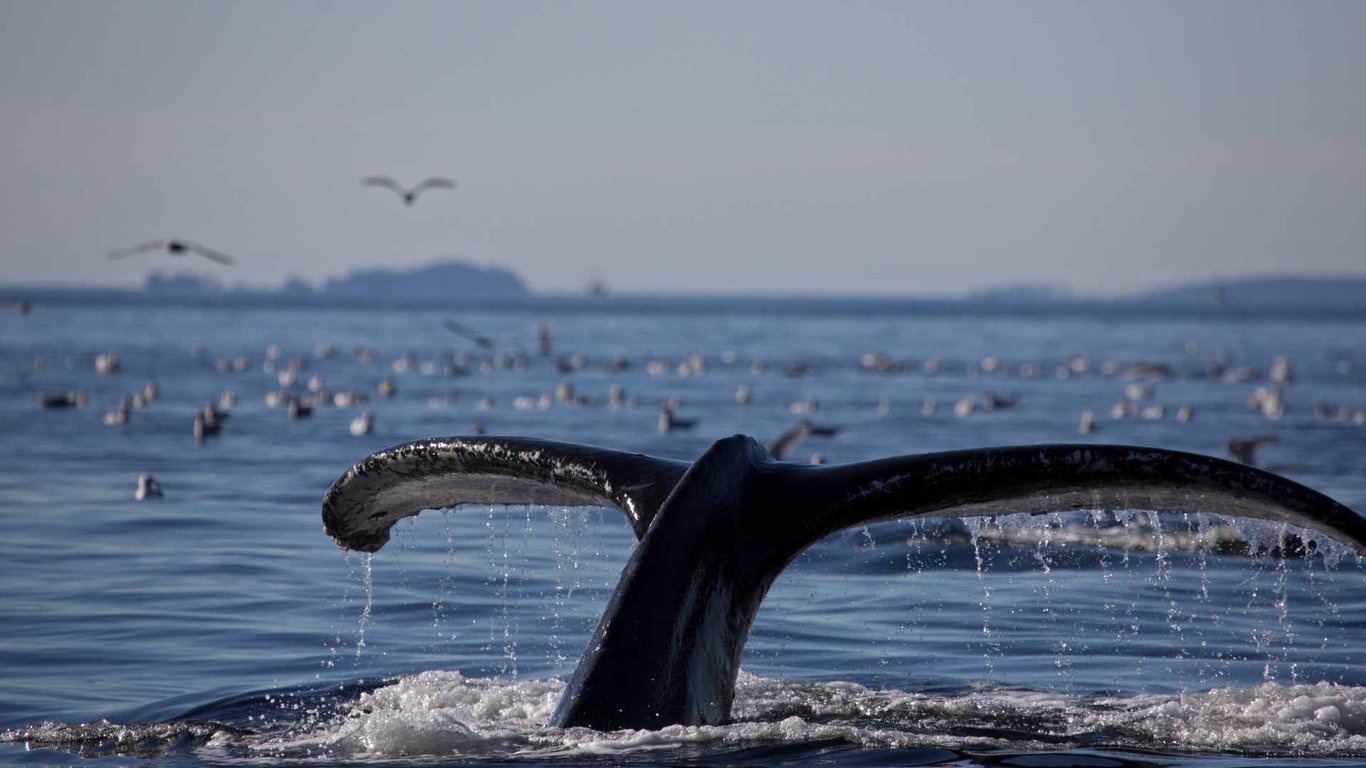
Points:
[(409, 196), (175, 248)]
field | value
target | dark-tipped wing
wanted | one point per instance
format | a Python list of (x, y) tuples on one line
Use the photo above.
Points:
[(789, 440), (150, 245), (1055, 478), (208, 253), (383, 181), (477, 338), (403, 480), (434, 182)]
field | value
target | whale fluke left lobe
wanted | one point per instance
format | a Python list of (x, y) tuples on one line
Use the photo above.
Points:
[(398, 482)]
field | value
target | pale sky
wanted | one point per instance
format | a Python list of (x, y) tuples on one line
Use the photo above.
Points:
[(755, 147)]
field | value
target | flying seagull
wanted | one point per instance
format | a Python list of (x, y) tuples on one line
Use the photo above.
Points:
[(175, 248), (1245, 449), (408, 195), (478, 338)]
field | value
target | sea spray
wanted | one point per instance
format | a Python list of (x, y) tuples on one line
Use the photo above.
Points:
[(990, 648), (445, 582), (1164, 578), (363, 623), (1282, 601), (565, 545)]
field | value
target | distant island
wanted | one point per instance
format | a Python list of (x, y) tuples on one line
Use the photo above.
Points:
[(1289, 292), (1340, 292), (443, 280)]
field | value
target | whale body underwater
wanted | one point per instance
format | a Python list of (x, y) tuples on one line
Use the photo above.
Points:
[(714, 534)]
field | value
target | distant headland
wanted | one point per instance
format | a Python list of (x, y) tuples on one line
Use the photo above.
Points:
[(453, 282), (1338, 293)]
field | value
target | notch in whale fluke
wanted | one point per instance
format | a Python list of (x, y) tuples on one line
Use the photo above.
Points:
[(401, 481)]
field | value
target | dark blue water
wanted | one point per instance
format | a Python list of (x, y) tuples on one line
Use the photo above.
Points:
[(219, 623)]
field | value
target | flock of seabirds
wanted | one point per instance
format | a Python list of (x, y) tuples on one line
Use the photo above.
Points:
[(1136, 382), (714, 534), (1136, 400)]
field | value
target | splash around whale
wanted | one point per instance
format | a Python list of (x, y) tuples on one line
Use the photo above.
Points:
[(715, 534)]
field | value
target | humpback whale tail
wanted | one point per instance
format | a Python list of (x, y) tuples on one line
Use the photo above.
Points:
[(715, 535)]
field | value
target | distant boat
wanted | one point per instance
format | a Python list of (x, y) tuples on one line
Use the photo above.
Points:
[(596, 286)]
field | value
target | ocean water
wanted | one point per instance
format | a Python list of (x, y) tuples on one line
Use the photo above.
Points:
[(220, 625)]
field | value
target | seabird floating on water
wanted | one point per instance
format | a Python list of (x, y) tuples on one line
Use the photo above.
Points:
[(1088, 423), (148, 488), (204, 428), (119, 415), (668, 422), (62, 400), (362, 424)]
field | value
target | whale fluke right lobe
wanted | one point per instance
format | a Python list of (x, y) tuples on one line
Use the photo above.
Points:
[(668, 648), (1040, 479)]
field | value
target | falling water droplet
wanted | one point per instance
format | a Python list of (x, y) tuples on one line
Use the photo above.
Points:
[(368, 574), (990, 648)]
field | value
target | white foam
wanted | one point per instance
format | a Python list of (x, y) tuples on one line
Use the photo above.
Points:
[(448, 714), (434, 713), (1308, 719)]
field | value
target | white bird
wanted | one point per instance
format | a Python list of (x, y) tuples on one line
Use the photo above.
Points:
[(203, 428), (362, 424), (616, 397), (963, 408), (120, 415), (107, 363), (668, 421), (408, 195), (743, 395), (1087, 424), (148, 488), (175, 248)]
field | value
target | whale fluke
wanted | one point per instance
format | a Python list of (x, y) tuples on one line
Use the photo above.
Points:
[(715, 535), (403, 480), (1041, 479)]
